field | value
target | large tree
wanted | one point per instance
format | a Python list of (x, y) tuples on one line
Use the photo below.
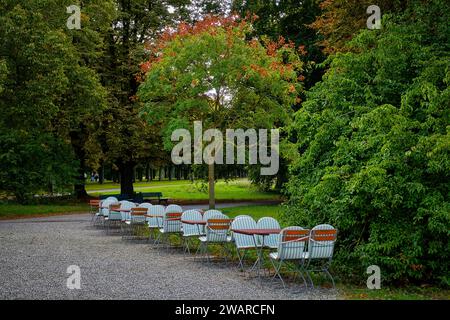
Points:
[(126, 140), (50, 95), (209, 72)]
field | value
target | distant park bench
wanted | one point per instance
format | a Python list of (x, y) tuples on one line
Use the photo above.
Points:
[(158, 196)]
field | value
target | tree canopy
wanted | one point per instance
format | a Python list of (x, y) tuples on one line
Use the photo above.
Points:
[(50, 93)]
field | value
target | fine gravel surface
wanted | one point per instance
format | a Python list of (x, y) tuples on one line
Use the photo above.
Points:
[(36, 253)]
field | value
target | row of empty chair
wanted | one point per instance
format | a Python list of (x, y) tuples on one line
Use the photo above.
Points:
[(304, 250)]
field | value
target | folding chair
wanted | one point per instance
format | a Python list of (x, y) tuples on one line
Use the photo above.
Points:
[(191, 231), (291, 247), (155, 216), (272, 240), (320, 251), (243, 242), (103, 211), (136, 219), (113, 216), (171, 224), (94, 207), (216, 232)]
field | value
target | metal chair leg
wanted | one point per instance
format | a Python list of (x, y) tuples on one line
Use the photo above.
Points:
[(277, 268)]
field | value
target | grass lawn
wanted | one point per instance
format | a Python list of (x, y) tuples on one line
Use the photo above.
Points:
[(256, 212), (8, 211), (185, 190), (407, 293)]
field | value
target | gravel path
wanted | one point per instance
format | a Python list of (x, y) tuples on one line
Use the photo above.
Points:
[(35, 255)]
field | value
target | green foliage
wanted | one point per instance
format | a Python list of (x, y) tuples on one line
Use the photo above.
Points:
[(50, 94), (13, 211), (124, 138), (373, 148), (214, 75), (3, 73), (290, 20), (210, 72)]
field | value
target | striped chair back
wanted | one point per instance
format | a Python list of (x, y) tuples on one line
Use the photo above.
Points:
[(268, 223), (126, 205), (243, 216), (292, 243), (243, 240), (321, 242), (106, 206), (217, 228), (172, 219), (173, 208), (145, 205), (210, 213), (190, 229), (158, 213)]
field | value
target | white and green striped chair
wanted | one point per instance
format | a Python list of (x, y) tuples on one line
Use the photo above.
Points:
[(118, 218), (216, 232), (191, 231), (270, 241), (171, 224), (210, 213), (103, 212), (290, 251), (243, 242), (242, 216), (142, 219), (154, 220), (319, 256), (136, 218)]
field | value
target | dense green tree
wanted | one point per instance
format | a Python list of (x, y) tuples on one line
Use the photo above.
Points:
[(209, 72), (372, 151), (49, 92)]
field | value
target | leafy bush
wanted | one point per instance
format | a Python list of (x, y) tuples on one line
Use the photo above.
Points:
[(373, 147)]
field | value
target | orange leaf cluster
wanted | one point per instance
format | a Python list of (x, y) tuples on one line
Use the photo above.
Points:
[(261, 70), (208, 24)]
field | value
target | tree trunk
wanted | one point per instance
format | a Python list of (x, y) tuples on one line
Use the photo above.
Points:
[(77, 145), (126, 178), (212, 193), (101, 177)]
